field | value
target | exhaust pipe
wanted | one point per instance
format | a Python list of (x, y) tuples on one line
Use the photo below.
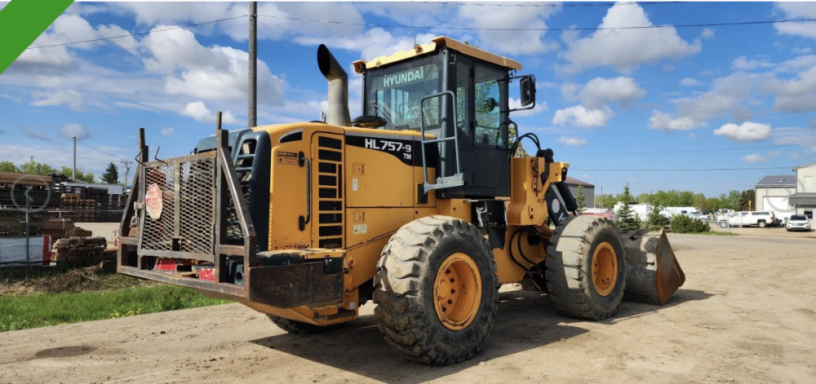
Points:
[(338, 113)]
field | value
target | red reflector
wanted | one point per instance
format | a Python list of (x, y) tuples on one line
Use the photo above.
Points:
[(206, 273), (165, 265)]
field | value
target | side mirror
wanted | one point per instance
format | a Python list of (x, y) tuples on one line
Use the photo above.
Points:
[(528, 91), (490, 104)]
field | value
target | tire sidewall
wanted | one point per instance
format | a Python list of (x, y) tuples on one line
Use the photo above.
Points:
[(611, 301), (473, 247)]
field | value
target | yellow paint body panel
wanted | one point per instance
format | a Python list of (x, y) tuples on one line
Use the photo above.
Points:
[(375, 192)]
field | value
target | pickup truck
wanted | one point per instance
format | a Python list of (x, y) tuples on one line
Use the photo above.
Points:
[(746, 219)]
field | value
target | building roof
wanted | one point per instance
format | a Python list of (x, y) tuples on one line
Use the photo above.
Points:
[(576, 182), (23, 179), (802, 199), (805, 166), (469, 50), (779, 181)]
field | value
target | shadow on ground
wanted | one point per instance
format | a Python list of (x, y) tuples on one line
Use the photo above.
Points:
[(526, 320)]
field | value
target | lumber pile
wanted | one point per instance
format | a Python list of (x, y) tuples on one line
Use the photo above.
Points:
[(79, 209), (79, 250)]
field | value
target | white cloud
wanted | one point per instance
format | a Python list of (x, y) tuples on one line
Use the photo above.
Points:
[(707, 33), (792, 10), (571, 141), (540, 106), (754, 158), (198, 111), (625, 50), (797, 94), (582, 117), (725, 95), (803, 137), (36, 135), (599, 92), (214, 73), (373, 43), (745, 132), (742, 63), (270, 28), (127, 43), (665, 122), (588, 177), (689, 82), (71, 130), (168, 132), (54, 98), (692, 136), (801, 50), (510, 42)]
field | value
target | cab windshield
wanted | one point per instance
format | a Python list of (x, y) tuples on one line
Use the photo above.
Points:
[(394, 93)]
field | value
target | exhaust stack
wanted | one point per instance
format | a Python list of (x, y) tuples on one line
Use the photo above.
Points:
[(338, 112)]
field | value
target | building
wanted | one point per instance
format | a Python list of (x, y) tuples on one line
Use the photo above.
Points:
[(804, 200), (589, 191), (773, 194)]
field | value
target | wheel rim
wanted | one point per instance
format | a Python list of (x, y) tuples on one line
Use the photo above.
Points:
[(457, 291), (604, 269)]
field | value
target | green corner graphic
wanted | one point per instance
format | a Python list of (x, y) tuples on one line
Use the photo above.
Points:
[(21, 22)]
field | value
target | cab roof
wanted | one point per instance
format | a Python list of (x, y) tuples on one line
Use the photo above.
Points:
[(360, 65)]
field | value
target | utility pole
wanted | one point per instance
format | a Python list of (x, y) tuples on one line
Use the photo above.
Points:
[(252, 116), (73, 173), (126, 164)]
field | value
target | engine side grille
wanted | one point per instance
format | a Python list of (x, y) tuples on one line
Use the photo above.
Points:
[(329, 182)]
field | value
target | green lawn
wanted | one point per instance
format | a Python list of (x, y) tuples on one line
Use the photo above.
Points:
[(43, 309)]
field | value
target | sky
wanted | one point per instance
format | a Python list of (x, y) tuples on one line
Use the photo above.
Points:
[(612, 103)]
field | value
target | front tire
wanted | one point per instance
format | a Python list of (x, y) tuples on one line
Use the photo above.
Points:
[(435, 290), (586, 268)]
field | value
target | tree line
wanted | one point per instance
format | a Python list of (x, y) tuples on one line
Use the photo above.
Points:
[(111, 175), (736, 200)]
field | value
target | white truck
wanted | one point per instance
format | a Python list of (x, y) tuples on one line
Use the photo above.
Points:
[(761, 219)]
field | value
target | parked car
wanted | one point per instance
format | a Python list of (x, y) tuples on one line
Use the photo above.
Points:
[(798, 223), (745, 219)]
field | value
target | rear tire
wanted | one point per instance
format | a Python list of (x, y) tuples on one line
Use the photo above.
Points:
[(586, 268), (762, 224), (418, 311), (300, 328)]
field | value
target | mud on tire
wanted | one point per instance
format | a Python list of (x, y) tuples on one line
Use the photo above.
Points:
[(569, 268), (405, 294)]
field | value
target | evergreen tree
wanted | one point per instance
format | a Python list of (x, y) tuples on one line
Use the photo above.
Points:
[(580, 199), (111, 175), (625, 219), (656, 221)]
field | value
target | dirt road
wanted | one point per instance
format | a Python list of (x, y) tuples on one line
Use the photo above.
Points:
[(745, 315)]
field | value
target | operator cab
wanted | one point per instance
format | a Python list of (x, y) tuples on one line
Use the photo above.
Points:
[(430, 86)]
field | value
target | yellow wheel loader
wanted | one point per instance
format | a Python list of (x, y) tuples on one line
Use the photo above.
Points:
[(418, 205)]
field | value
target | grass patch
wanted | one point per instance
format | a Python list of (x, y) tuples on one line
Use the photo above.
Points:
[(712, 233), (42, 310)]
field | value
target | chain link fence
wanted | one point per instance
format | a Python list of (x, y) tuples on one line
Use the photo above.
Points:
[(39, 223)]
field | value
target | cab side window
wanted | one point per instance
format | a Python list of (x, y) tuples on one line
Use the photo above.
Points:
[(489, 130)]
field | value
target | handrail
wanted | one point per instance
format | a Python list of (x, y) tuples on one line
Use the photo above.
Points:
[(301, 220), (455, 137)]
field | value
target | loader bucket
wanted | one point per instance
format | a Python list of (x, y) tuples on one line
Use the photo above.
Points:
[(653, 273)]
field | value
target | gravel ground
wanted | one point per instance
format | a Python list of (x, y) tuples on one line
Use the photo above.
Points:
[(745, 315)]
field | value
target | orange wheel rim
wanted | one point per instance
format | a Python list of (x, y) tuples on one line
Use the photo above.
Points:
[(457, 291), (604, 269)]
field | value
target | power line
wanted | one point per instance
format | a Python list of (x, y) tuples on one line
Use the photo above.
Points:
[(682, 151), (432, 28), (99, 150), (137, 33), (552, 4), (674, 169), (723, 24)]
